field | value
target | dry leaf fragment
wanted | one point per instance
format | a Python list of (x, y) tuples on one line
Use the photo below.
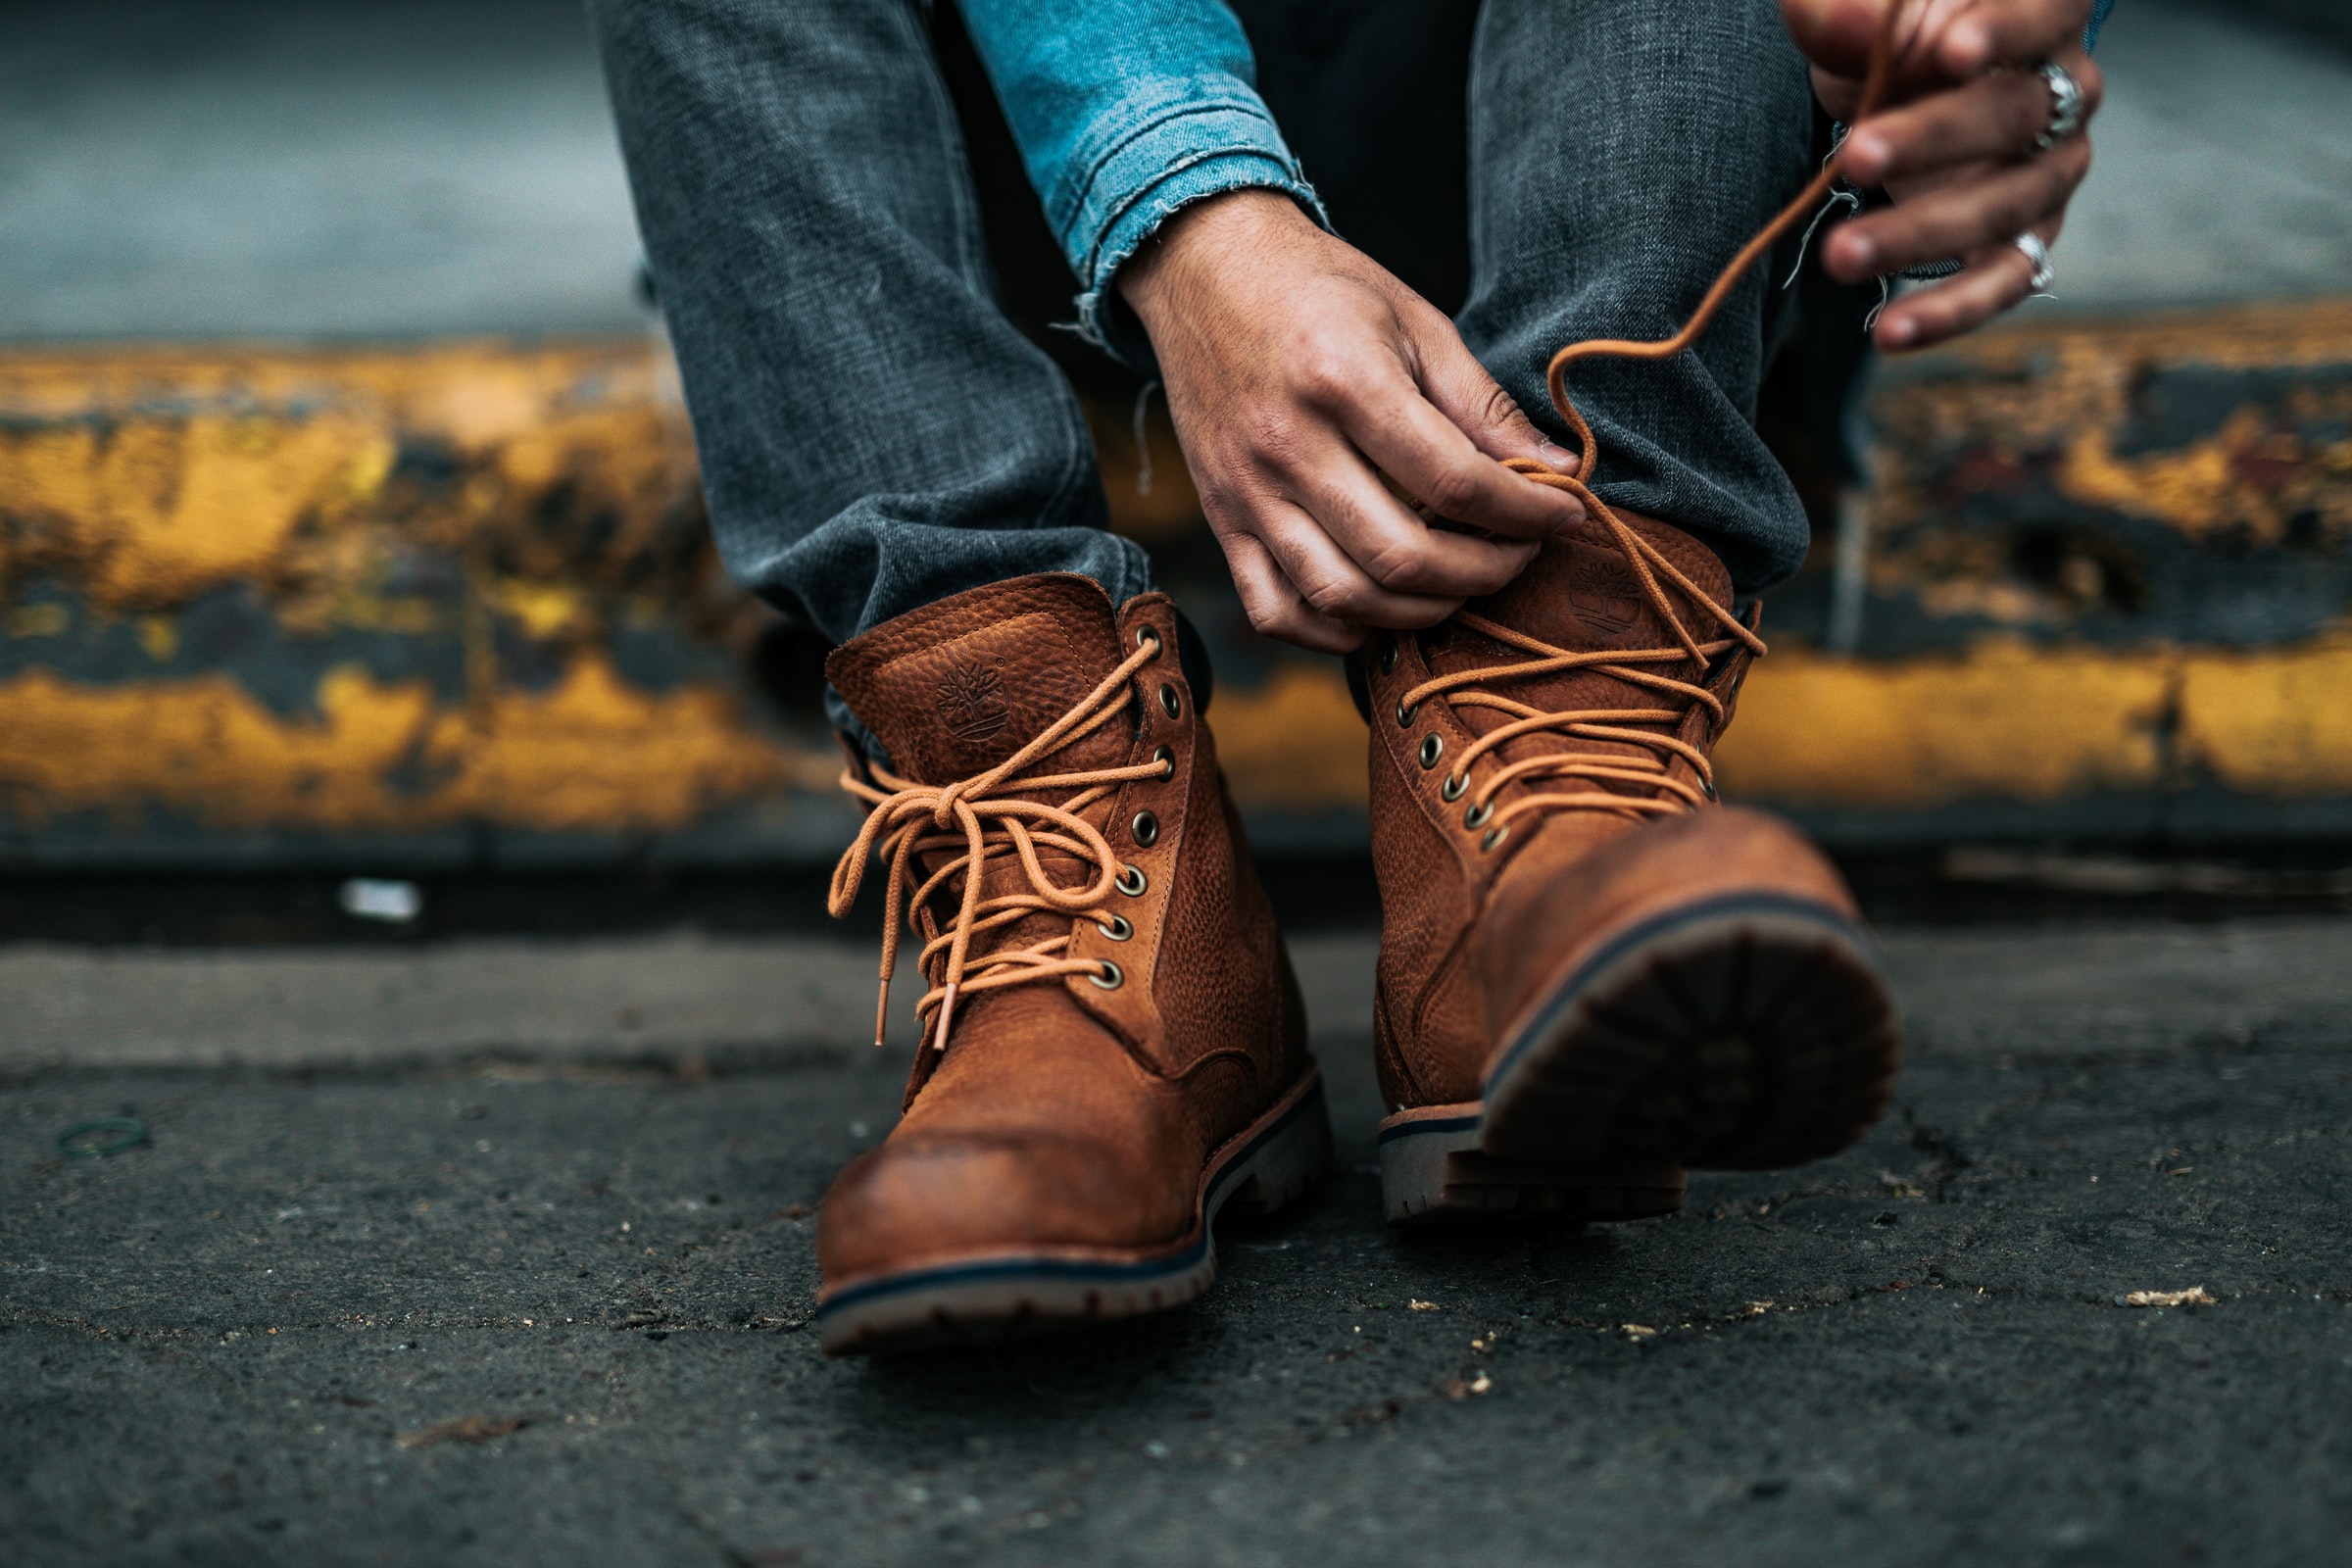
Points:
[(1418, 1306), (2195, 1295), (465, 1429)]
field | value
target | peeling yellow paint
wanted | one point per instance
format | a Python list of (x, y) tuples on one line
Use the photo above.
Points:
[(2285, 334), (2274, 724), (2067, 392), (591, 752), (2004, 720), (153, 512), (544, 610), (1296, 742), (551, 492), (146, 478)]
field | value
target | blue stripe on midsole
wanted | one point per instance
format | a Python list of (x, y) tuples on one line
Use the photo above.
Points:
[(1072, 1268), (1435, 1125)]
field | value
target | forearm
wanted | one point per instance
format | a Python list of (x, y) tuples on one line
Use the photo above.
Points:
[(1125, 113)]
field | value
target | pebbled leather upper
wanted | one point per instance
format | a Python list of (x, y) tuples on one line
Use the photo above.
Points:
[(1064, 1114)]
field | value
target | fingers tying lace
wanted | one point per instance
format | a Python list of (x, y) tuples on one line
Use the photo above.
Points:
[(1646, 783), (996, 813)]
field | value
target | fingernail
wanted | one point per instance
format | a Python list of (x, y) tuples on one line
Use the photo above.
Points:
[(1864, 154), (1859, 251), (1898, 331), (1556, 455), (1970, 44)]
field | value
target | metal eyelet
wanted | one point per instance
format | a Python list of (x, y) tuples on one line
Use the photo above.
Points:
[(1166, 755), (1388, 656), (1476, 815), (1451, 790), (1109, 977), (1146, 828), (1168, 703), (1707, 786), (1119, 930), (1433, 747), (1149, 634), (1131, 881), (1404, 714), (1493, 835)]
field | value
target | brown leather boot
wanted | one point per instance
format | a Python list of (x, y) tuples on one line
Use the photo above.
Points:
[(1590, 975), (1113, 1043)]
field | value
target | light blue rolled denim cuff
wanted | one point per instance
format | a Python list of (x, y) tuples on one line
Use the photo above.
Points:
[(1190, 153)]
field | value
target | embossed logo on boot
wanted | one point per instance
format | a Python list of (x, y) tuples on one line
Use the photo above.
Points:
[(1601, 589), (971, 703)]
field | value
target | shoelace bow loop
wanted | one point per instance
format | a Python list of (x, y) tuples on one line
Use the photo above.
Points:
[(991, 814)]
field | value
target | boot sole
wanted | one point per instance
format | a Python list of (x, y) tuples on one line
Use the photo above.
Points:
[(1007, 1295), (1747, 1032), (1433, 1167)]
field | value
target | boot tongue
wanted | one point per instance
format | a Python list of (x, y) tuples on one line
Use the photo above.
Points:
[(1581, 595), (954, 688)]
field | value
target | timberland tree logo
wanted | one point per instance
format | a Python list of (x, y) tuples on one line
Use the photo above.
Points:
[(1601, 589), (971, 703)]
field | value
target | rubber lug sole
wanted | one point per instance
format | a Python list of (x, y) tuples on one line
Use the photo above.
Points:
[(1003, 1295), (1433, 1168), (1749, 1032)]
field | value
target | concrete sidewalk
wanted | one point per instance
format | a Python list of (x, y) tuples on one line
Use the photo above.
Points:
[(380, 1290), (282, 168)]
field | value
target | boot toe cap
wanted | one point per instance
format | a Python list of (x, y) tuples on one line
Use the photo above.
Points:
[(931, 1198), (1548, 910)]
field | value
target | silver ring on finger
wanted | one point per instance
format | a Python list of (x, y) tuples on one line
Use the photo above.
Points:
[(2037, 257), (2065, 105)]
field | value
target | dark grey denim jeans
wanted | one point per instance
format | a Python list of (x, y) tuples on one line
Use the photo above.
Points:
[(876, 433)]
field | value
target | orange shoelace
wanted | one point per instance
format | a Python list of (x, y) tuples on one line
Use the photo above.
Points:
[(985, 816), (1651, 772)]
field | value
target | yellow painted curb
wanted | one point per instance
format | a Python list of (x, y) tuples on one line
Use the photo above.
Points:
[(592, 754), (2004, 720)]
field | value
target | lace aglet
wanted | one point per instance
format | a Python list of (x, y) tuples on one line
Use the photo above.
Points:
[(947, 1014)]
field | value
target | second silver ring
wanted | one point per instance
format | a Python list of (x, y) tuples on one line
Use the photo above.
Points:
[(2038, 255), (2065, 105)]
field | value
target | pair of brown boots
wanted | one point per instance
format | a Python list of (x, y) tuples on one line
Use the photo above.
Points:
[(1591, 976)]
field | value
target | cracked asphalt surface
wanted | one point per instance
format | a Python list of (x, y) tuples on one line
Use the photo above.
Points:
[(552, 1308)]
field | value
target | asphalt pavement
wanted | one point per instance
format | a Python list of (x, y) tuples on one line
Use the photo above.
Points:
[(378, 1289)]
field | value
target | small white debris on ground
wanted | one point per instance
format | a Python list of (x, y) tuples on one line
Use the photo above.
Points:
[(368, 898), (2195, 1295)]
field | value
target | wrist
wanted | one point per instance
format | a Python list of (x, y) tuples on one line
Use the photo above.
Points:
[(1200, 241)]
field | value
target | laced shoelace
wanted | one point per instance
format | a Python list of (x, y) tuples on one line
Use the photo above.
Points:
[(1650, 772), (984, 818)]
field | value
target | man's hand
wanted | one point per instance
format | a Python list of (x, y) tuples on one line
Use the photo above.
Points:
[(1953, 146), (1300, 373)]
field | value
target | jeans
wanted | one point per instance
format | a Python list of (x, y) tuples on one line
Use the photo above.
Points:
[(876, 430)]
